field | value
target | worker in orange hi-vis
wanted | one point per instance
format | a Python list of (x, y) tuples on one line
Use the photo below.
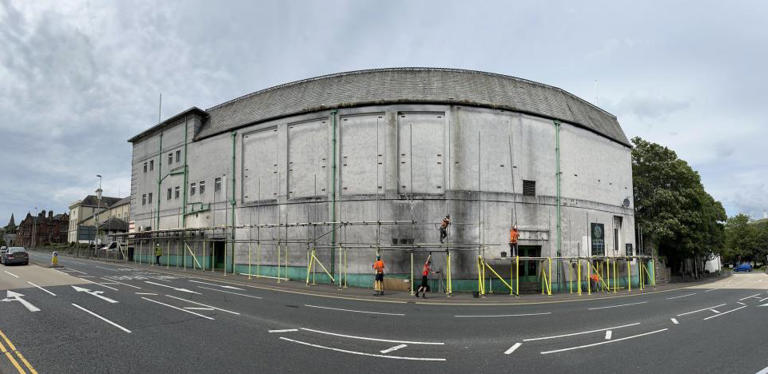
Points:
[(378, 283), (513, 236)]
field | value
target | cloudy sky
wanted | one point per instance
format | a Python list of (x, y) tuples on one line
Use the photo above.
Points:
[(78, 78)]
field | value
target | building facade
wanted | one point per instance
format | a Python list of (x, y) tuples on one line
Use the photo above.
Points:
[(81, 210), (40, 230), (359, 163)]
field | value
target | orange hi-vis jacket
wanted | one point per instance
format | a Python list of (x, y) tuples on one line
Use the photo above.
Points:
[(379, 266), (513, 236)]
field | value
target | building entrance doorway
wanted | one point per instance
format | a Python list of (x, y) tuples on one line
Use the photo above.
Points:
[(529, 269), (217, 254)]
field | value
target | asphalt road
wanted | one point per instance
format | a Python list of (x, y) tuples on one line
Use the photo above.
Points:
[(96, 317)]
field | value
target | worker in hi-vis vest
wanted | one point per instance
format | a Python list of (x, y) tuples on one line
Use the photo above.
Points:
[(158, 253)]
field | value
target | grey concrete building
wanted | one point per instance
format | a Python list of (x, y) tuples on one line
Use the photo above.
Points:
[(365, 161)]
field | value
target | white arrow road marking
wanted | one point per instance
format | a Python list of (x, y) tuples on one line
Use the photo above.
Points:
[(11, 274), (15, 296), (283, 330), (674, 320), (230, 292), (177, 308), (175, 288), (218, 285), (95, 293), (392, 349), (101, 318), (512, 348), (49, 292), (608, 335), (205, 305)]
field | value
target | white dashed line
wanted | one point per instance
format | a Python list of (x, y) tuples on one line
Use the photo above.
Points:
[(355, 311), (603, 342), (283, 330), (11, 274), (230, 292), (205, 305), (724, 313), (608, 335), (146, 293), (616, 306), (512, 348), (49, 292), (581, 333), (177, 308), (674, 320), (699, 310), (124, 284), (681, 296), (392, 349), (362, 353), (501, 315), (372, 339), (101, 318), (749, 297), (715, 311)]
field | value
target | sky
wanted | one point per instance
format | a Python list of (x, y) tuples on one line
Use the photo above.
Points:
[(78, 78)]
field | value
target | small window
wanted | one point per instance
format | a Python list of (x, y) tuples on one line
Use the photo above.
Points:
[(144, 199), (176, 192), (149, 198), (202, 187), (529, 188), (151, 165), (145, 167), (170, 192), (217, 185), (192, 188), (178, 156), (170, 158)]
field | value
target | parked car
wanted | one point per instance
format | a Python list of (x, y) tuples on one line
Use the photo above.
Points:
[(15, 255), (743, 267), (3, 249)]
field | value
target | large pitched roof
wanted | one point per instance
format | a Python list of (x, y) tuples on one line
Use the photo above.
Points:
[(93, 201)]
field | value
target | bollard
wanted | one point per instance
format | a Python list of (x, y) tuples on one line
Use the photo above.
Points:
[(55, 259)]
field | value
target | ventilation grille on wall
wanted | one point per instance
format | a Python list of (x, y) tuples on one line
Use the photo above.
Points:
[(529, 188)]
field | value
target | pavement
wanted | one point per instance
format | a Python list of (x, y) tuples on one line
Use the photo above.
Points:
[(100, 317)]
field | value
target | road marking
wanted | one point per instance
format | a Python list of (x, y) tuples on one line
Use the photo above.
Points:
[(500, 315), (724, 313), (764, 371), (674, 320), (205, 305), (392, 349), (372, 339), (616, 306), (21, 357), (218, 285), (608, 335), (761, 300), (230, 292), (512, 348), (87, 276), (681, 296), (124, 284), (197, 308), (146, 293), (177, 308), (715, 311), (11, 359), (101, 318), (355, 311), (101, 267), (740, 303), (11, 274), (105, 286), (283, 330), (742, 299), (15, 296), (711, 289), (362, 353), (95, 293), (581, 333), (49, 292), (175, 288), (603, 342), (698, 310)]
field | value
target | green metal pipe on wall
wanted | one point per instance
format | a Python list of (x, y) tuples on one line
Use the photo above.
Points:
[(234, 203), (333, 189)]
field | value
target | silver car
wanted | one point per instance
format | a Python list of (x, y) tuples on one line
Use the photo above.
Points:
[(15, 255)]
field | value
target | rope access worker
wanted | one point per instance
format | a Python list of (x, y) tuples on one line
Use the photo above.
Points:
[(378, 283), (158, 253), (444, 227), (425, 278), (513, 236), (595, 280)]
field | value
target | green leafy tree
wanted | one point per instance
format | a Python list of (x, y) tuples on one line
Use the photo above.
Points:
[(742, 239), (672, 209)]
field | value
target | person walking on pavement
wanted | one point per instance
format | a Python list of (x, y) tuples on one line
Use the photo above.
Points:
[(378, 283), (158, 253), (425, 278), (513, 236), (444, 227)]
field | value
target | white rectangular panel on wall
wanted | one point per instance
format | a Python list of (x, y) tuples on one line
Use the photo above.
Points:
[(483, 161), (363, 142), (308, 158), (421, 152), (260, 165)]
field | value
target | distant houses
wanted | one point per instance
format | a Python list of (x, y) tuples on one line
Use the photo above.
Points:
[(93, 219), (42, 229)]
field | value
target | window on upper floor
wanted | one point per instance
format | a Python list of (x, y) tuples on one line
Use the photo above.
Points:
[(176, 192), (202, 187), (149, 198), (178, 156), (145, 167), (170, 192), (151, 165), (529, 188), (217, 184), (170, 158), (192, 188), (144, 199)]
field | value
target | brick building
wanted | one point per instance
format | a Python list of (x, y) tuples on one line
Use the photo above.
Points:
[(42, 229)]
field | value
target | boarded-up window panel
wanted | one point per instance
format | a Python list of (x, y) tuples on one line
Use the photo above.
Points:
[(260, 165), (362, 158), (421, 152), (308, 159)]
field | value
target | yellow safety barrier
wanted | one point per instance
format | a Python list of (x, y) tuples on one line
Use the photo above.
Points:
[(578, 276), (546, 278), (496, 274), (313, 260), (448, 286), (480, 276), (195, 258)]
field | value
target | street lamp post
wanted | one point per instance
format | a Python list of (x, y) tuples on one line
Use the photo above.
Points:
[(98, 209)]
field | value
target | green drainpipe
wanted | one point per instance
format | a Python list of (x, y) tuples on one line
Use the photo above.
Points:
[(159, 179), (557, 181), (184, 198), (233, 202), (333, 189)]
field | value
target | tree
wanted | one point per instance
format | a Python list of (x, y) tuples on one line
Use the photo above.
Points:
[(741, 239), (672, 209)]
